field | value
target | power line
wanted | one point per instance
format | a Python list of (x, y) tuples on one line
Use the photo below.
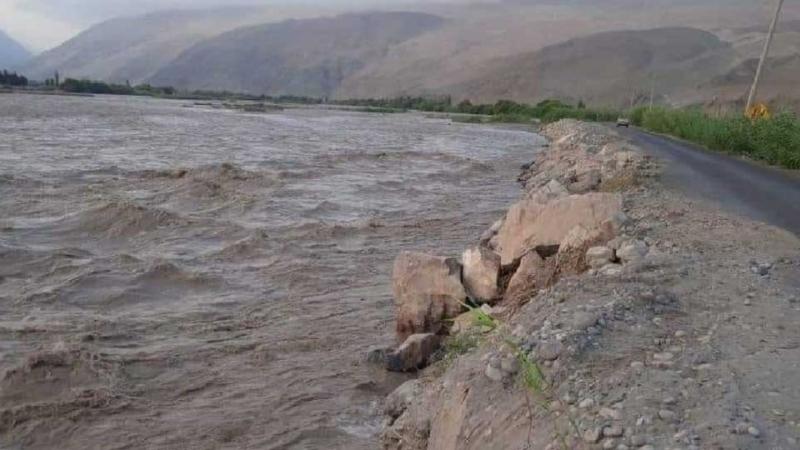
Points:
[(754, 88)]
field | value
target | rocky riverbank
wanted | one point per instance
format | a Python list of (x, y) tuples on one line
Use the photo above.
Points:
[(603, 311)]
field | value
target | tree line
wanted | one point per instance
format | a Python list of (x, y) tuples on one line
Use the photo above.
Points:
[(501, 111), (12, 79), (101, 87)]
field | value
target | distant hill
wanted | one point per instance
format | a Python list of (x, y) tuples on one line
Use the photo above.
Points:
[(302, 57), (12, 53), (606, 68), (778, 84), (601, 51), (135, 48)]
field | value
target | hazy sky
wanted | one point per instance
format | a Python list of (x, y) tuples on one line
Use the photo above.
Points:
[(41, 24)]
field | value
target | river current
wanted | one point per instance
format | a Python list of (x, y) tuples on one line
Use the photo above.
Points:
[(181, 277)]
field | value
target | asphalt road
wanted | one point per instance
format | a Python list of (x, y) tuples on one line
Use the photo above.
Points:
[(763, 193)]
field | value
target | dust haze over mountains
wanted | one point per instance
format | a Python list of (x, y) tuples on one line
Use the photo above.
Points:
[(12, 52), (607, 52)]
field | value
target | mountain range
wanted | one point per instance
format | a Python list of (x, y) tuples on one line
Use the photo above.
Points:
[(604, 52), (12, 53), (297, 57)]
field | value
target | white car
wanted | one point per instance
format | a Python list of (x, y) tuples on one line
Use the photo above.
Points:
[(623, 122)]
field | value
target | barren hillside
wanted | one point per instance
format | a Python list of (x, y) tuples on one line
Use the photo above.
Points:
[(610, 68), (477, 37), (11, 52), (134, 48), (519, 49), (301, 57)]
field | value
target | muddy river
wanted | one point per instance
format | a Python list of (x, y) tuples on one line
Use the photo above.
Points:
[(190, 278)]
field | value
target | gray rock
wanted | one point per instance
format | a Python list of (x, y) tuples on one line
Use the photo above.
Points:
[(608, 413), (481, 269), (583, 320), (611, 270), (491, 232), (587, 181), (753, 431), (665, 356), (494, 373), (550, 350), (761, 269), (598, 257), (397, 402), (632, 251), (377, 355), (413, 354), (510, 365), (615, 243), (593, 435), (427, 293), (666, 415), (613, 431)]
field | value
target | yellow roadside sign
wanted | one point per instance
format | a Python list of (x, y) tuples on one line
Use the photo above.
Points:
[(758, 111)]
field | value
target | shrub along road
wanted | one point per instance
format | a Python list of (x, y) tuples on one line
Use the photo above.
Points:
[(763, 193)]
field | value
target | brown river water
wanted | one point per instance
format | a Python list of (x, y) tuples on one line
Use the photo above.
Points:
[(192, 278)]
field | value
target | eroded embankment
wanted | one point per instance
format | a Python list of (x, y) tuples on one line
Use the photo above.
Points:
[(622, 316)]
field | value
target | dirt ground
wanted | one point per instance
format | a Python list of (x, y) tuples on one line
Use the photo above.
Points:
[(696, 346)]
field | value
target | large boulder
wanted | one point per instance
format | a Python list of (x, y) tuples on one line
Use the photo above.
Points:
[(598, 257), (574, 251), (632, 251), (398, 401), (427, 292), (586, 182), (414, 353), (531, 223), (533, 273), (550, 191), (481, 271), (489, 234)]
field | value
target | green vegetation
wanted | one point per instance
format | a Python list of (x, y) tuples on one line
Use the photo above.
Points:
[(480, 318), (530, 376), (99, 87), (369, 109), (531, 373), (460, 344), (467, 340), (773, 140), (94, 87), (12, 79), (501, 111)]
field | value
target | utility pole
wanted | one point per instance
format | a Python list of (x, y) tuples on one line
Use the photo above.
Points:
[(754, 88)]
